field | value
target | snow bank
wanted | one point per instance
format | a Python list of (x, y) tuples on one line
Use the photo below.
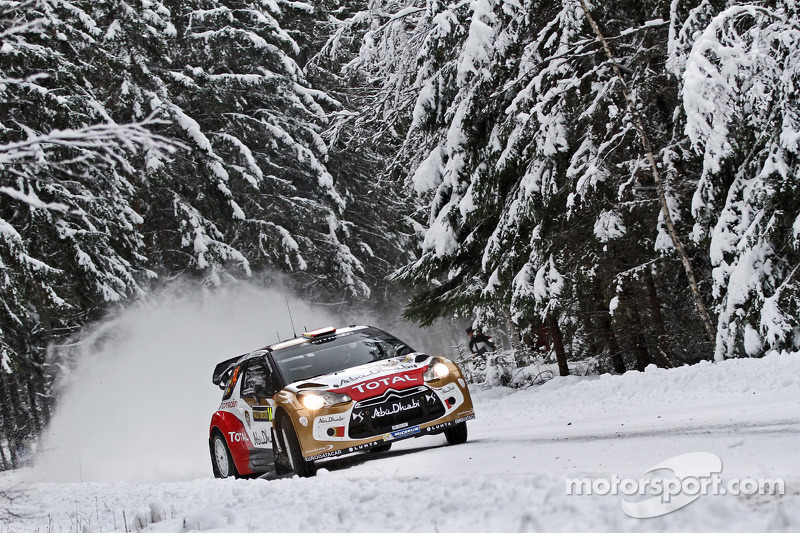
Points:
[(346, 501), (732, 384)]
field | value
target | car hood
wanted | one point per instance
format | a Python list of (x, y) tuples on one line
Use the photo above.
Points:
[(372, 378)]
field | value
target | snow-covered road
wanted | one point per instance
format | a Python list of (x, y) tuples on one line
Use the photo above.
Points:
[(510, 476)]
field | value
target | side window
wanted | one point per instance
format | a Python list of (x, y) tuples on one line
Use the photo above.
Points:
[(231, 384), (258, 381)]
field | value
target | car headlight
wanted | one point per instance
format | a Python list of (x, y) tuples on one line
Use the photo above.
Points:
[(436, 370), (314, 400)]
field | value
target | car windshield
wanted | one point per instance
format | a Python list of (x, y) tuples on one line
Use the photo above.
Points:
[(333, 353)]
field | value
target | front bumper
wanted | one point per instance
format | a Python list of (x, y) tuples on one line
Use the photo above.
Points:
[(395, 415), (428, 428)]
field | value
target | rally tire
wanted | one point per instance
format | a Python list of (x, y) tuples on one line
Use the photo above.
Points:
[(280, 458), (456, 434), (300, 466), (381, 448), (221, 459)]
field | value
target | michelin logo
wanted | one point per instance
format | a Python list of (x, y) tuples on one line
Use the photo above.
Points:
[(401, 433)]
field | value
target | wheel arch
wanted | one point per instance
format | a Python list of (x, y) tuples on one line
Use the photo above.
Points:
[(223, 422)]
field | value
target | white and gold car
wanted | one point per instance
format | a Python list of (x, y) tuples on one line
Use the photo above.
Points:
[(328, 393)]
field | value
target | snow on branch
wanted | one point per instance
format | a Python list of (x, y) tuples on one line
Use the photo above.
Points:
[(731, 72), (100, 141), (33, 201)]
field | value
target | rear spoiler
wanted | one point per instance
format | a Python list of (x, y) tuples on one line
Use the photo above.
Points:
[(222, 370)]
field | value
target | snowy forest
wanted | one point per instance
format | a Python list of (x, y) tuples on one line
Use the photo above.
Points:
[(613, 180)]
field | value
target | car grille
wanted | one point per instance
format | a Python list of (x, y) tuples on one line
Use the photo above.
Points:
[(385, 413)]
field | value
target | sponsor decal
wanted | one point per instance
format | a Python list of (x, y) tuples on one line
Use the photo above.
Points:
[(228, 405), (337, 431), (303, 421), (461, 383), (444, 425), (388, 381), (401, 433), (237, 436), (365, 446), (396, 407), (400, 426), (330, 419), (334, 453), (359, 377), (467, 413), (448, 388), (232, 382), (380, 380), (247, 418), (323, 449), (262, 414), (287, 397), (393, 408), (261, 437)]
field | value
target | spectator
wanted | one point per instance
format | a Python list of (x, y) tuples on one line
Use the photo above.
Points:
[(479, 343)]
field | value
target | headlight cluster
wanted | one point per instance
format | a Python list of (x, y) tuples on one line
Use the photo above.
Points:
[(314, 400), (436, 370)]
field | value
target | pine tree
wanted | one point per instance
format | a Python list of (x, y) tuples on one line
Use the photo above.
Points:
[(521, 149), (67, 244), (146, 140), (740, 70)]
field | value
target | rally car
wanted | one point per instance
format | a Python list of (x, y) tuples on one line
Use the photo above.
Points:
[(328, 393)]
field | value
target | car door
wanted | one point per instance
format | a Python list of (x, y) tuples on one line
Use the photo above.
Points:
[(259, 385)]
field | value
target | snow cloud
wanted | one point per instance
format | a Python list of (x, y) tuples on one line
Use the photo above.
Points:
[(138, 403)]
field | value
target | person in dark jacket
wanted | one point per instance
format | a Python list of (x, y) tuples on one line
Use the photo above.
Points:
[(478, 342)]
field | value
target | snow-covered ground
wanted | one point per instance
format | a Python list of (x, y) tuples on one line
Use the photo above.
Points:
[(510, 476), (128, 445)]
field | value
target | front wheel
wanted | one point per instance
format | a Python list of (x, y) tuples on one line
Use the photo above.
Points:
[(221, 459), (456, 434), (280, 459), (300, 466)]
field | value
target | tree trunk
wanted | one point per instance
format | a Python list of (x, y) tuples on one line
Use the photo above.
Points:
[(3, 459), (34, 406), (513, 332), (634, 314), (641, 353), (8, 418), (639, 125), (658, 318), (558, 345), (617, 362)]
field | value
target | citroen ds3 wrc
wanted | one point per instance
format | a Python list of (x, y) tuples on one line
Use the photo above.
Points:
[(328, 393)]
